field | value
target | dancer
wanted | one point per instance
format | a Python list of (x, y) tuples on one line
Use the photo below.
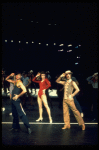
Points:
[(16, 104), (68, 100), (44, 84), (94, 81)]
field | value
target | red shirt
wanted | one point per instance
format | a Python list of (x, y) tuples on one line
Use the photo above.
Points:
[(43, 85)]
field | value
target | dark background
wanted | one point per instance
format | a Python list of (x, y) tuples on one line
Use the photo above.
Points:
[(76, 23)]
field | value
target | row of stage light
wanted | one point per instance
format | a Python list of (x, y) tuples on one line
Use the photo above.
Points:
[(70, 45), (46, 44), (38, 22)]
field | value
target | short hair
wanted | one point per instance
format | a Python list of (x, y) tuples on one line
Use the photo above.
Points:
[(17, 72), (43, 72)]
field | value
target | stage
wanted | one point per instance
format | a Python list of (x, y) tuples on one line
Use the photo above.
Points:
[(44, 133)]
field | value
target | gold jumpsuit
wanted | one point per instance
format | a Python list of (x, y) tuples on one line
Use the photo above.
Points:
[(68, 89)]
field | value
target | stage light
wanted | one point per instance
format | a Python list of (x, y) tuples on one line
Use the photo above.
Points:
[(20, 19), (49, 24), (54, 43), (54, 24), (26, 42), (5, 40), (11, 40), (31, 21), (79, 45), (61, 45), (36, 22), (60, 50), (76, 63), (46, 44), (39, 43), (69, 45), (32, 42), (78, 57), (69, 50), (19, 41), (76, 47)]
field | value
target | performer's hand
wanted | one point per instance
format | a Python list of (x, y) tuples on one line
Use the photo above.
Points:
[(12, 74), (38, 74), (15, 97), (62, 75)]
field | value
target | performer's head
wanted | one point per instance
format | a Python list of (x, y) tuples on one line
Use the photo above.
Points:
[(18, 76), (43, 75), (95, 77), (68, 74)]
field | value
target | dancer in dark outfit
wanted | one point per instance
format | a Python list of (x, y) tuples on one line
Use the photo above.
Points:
[(19, 90)]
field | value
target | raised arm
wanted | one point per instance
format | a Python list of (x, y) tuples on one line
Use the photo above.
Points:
[(9, 80), (34, 79), (89, 79), (58, 80)]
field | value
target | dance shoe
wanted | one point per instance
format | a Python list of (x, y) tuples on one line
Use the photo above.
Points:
[(66, 127), (29, 131), (39, 119), (83, 126), (50, 119)]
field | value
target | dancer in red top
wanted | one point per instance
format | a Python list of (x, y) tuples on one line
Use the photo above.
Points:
[(44, 84)]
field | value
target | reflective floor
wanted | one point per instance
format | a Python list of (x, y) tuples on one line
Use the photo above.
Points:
[(44, 133)]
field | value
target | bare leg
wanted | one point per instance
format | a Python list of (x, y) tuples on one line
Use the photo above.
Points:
[(40, 108), (44, 99)]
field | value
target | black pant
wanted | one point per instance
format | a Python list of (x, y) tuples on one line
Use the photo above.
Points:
[(17, 110)]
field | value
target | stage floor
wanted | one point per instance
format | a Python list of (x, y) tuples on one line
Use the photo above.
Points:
[(44, 133)]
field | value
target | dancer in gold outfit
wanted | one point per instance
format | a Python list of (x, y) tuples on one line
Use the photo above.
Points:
[(68, 100)]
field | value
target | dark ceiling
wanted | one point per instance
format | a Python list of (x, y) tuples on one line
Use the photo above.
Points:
[(74, 23)]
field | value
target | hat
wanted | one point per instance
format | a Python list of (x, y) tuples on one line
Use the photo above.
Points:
[(95, 74), (68, 71)]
